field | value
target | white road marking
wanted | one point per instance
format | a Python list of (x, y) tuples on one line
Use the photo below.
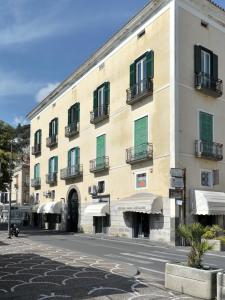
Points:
[(166, 253), (128, 258), (145, 257), (151, 270)]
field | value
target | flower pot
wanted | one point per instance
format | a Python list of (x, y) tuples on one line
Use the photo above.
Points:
[(195, 282)]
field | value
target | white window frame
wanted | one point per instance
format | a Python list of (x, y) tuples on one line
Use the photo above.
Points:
[(208, 171), (206, 56), (140, 62), (135, 180)]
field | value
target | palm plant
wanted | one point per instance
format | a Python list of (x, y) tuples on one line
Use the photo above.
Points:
[(193, 235)]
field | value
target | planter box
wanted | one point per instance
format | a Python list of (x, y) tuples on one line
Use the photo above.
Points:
[(217, 245), (195, 282)]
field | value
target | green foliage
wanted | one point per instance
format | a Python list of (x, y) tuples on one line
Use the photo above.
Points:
[(213, 232), (221, 238), (193, 235)]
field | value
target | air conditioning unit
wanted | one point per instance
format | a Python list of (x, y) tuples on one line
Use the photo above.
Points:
[(92, 190)]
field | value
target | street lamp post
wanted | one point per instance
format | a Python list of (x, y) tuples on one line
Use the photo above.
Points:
[(10, 188)]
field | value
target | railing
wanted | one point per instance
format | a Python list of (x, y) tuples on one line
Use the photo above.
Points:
[(51, 178), (139, 153), (36, 149), (36, 182), (71, 172), (99, 164), (99, 114), (139, 90), (207, 84), (52, 141), (208, 150), (72, 129)]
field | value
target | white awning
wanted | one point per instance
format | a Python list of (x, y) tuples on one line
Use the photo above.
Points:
[(142, 202), (50, 208), (208, 203), (97, 209)]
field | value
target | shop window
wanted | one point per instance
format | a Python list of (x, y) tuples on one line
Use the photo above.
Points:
[(141, 180), (101, 187)]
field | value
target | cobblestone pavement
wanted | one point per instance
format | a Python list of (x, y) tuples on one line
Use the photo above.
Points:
[(36, 271)]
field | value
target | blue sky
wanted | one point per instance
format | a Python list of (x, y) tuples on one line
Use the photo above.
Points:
[(42, 42)]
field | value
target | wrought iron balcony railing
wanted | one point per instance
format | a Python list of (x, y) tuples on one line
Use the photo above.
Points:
[(99, 114), (139, 90), (52, 141), (208, 85), (139, 153), (71, 172), (51, 178), (209, 150), (72, 129), (99, 164), (36, 182), (36, 149)]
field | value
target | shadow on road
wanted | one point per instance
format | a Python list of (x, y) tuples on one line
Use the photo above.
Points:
[(31, 276)]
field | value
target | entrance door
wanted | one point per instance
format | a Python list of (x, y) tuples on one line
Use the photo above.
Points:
[(140, 225), (73, 211)]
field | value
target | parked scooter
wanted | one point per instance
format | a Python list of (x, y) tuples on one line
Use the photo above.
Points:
[(14, 230)]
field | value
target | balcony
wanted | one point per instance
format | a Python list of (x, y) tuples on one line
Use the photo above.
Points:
[(99, 164), (208, 85), (139, 153), (209, 150), (99, 114), (51, 178), (140, 90), (52, 141), (71, 172), (36, 149), (36, 182), (72, 129)]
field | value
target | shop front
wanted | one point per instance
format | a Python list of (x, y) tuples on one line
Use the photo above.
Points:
[(137, 210), (100, 215), (49, 214), (208, 207)]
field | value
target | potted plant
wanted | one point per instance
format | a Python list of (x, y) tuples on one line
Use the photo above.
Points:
[(215, 237), (192, 277)]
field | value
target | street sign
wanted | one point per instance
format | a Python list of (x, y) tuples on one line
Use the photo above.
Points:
[(176, 193), (177, 182), (179, 202), (176, 172)]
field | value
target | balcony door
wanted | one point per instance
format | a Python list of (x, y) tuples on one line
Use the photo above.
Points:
[(140, 75), (206, 68), (73, 160), (140, 137), (206, 131), (100, 151)]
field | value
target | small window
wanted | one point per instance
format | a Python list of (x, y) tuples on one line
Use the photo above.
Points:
[(141, 180), (204, 24), (37, 198), (140, 34), (101, 187), (53, 194), (206, 178), (101, 66)]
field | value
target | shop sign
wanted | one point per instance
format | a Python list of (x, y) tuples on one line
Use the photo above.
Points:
[(176, 172), (173, 193), (177, 182)]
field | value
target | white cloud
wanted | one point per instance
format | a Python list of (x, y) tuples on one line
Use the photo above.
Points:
[(45, 91), (20, 120)]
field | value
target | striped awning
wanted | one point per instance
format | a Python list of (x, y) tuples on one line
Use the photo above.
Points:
[(142, 202), (208, 202)]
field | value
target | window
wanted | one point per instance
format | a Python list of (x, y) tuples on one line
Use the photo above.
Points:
[(101, 100), (74, 157), (37, 198), (53, 127), (74, 114), (209, 178), (37, 137), (53, 165), (101, 187), (206, 127), (37, 171), (141, 180)]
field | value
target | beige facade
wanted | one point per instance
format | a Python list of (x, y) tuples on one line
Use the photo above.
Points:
[(171, 29), (21, 185)]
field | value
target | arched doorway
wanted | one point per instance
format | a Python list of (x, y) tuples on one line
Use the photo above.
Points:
[(73, 211)]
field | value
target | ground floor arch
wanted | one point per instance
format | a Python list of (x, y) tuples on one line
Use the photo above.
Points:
[(73, 210)]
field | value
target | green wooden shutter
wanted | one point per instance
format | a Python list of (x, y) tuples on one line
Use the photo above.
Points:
[(140, 137), (40, 132), (56, 126), (106, 96), (100, 151), (49, 166), (35, 171), (150, 64), (56, 164), (95, 99), (69, 116), (206, 127), (50, 129), (77, 112), (69, 158), (214, 67), (197, 59), (132, 75), (77, 156)]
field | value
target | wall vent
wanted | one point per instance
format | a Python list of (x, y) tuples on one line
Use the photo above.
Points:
[(140, 34)]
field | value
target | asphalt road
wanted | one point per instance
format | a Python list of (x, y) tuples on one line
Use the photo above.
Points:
[(149, 258)]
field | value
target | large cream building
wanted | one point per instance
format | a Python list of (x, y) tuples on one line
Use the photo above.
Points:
[(148, 101)]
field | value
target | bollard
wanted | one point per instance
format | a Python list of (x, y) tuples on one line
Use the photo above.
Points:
[(219, 286)]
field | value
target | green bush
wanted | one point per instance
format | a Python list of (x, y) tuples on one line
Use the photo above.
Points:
[(213, 232), (221, 238), (193, 234)]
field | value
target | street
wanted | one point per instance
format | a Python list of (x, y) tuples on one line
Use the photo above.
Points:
[(60, 266)]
